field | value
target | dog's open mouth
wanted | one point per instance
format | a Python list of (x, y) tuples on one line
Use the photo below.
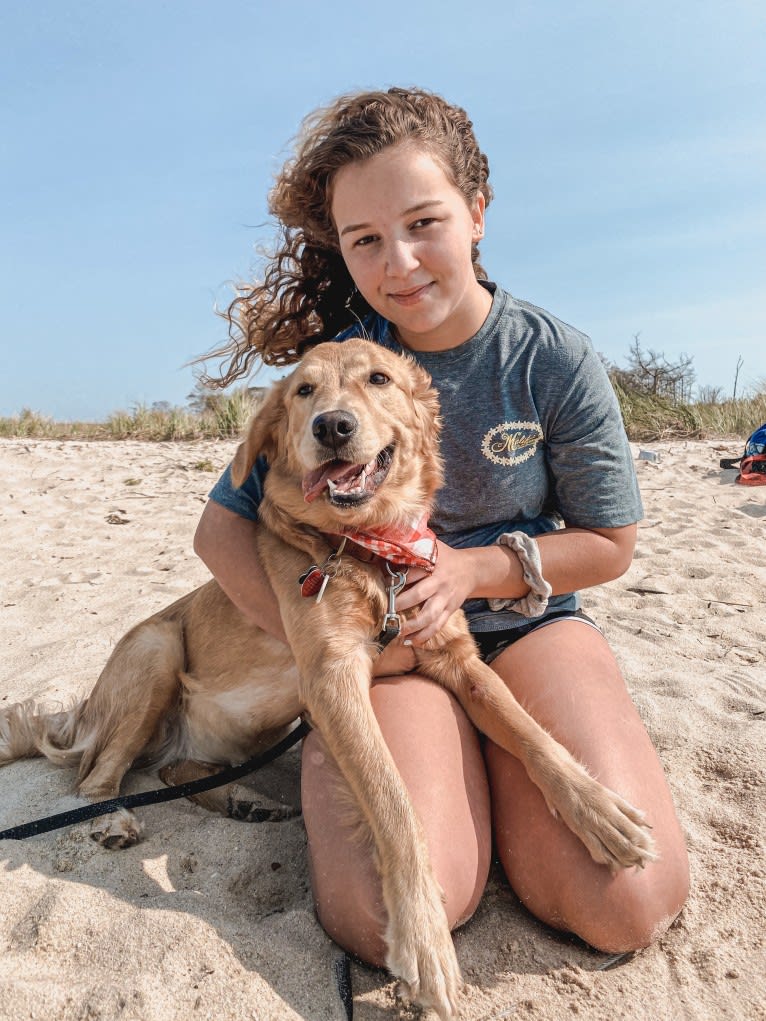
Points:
[(347, 484)]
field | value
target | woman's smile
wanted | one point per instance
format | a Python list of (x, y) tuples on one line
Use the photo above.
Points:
[(411, 296)]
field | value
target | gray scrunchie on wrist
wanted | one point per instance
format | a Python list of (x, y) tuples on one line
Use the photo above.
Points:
[(535, 602)]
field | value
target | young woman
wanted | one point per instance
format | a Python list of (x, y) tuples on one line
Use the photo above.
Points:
[(382, 208)]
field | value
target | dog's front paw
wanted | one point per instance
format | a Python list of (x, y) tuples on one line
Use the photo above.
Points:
[(421, 954), (614, 832), (117, 830)]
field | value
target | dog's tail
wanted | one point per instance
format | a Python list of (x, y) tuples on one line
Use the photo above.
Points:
[(130, 706), (28, 729)]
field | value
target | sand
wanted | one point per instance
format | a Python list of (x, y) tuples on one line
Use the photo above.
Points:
[(211, 918)]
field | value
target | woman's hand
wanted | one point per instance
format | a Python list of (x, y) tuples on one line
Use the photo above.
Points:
[(572, 558), (438, 594)]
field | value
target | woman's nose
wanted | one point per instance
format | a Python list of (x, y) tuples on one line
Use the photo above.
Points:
[(400, 259)]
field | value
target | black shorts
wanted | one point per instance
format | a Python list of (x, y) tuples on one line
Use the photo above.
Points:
[(492, 643)]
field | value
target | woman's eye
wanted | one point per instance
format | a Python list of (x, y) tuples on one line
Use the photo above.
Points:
[(379, 379), (305, 390), (363, 242), (426, 221)]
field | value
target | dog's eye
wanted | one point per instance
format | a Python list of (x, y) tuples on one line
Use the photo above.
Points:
[(379, 379), (305, 390)]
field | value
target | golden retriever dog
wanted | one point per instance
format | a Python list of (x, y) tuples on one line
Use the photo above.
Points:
[(351, 440)]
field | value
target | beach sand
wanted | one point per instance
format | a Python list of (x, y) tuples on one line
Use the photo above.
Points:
[(209, 918)]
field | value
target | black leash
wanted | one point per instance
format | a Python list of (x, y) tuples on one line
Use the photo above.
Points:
[(342, 970), (184, 790)]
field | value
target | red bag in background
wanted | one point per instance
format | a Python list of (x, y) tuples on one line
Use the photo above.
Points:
[(752, 464), (752, 471)]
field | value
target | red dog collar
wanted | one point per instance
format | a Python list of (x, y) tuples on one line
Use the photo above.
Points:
[(406, 546)]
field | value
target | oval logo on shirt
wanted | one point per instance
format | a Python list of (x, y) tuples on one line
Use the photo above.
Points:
[(511, 442)]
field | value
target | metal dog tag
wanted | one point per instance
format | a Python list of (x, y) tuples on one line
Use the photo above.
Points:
[(312, 581)]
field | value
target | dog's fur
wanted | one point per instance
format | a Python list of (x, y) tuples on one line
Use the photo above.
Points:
[(198, 683)]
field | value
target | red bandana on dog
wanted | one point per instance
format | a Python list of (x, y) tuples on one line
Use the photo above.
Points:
[(407, 546)]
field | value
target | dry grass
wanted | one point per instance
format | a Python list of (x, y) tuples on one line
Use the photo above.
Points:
[(646, 418), (225, 418)]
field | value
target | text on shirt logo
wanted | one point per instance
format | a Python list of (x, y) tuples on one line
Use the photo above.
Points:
[(511, 442)]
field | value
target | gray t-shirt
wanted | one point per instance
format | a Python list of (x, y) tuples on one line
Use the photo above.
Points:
[(532, 438)]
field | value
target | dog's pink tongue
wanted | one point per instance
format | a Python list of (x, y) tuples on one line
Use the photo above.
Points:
[(332, 471)]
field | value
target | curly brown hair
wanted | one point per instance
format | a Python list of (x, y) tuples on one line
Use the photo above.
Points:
[(307, 294)]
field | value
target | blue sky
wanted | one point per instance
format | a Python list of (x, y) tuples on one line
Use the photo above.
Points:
[(139, 140)]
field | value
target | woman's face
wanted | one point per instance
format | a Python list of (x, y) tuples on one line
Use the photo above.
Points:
[(405, 234)]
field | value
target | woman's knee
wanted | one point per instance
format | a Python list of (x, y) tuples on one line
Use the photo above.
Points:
[(344, 881), (636, 913), (439, 758), (350, 910), (558, 882), (590, 713), (438, 754), (353, 915)]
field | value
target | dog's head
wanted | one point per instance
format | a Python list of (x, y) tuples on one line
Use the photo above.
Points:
[(351, 435)]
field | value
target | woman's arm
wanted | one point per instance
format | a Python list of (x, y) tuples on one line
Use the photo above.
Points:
[(572, 558), (225, 542)]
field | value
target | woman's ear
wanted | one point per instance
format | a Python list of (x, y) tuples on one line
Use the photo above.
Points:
[(477, 215), (265, 434)]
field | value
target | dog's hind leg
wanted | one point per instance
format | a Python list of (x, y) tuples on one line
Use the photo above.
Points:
[(233, 800), (123, 718), (109, 730)]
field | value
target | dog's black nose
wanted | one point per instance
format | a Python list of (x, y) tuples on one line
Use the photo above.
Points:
[(334, 428)]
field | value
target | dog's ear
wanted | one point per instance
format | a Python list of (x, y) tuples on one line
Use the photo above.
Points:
[(428, 419), (425, 401), (265, 434), (425, 404)]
